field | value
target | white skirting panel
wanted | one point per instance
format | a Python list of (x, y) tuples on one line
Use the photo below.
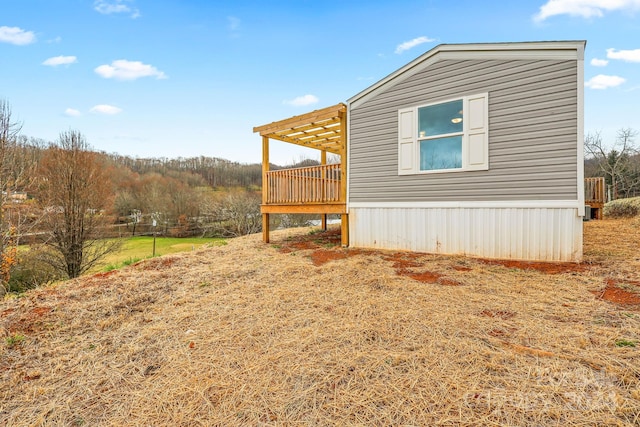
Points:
[(535, 234)]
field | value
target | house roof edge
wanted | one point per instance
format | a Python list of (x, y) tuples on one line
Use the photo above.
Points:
[(565, 45)]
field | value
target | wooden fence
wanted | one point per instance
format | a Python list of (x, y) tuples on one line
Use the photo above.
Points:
[(595, 191), (595, 195)]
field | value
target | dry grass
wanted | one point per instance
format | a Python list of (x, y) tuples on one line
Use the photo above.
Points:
[(254, 334)]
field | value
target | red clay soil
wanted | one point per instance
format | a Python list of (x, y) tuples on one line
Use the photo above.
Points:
[(6, 312), (32, 376), (542, 267), (498, 333), (445, 281), (613, 293), (502, 314), (424, 276), (27, 322), (96, 279), (323, 256), (623, 282), (321, 239), (297, 246), (326, 244), (402, 261), (105, 274), (155, 263)]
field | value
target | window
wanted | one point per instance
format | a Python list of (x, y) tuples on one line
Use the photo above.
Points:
[(440, 131), (444, 137)]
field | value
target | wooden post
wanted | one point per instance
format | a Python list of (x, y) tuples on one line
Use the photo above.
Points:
[(265, 187), (344, 218), (344, 230), (323, 191)]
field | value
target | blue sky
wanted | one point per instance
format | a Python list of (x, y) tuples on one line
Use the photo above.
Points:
[(171, 78)]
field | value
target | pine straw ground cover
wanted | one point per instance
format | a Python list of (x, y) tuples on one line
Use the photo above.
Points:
[(302, 332)]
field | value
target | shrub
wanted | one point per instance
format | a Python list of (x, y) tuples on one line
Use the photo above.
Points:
[(31, 271), (622, 208), (14, 340), (238, 214)]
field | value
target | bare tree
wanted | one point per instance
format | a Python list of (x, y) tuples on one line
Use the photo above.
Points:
[(9, 182), (619, 162), (241, 212), (75, 193), (235, 214)]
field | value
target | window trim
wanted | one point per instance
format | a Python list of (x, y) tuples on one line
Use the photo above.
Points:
[(467, 132)]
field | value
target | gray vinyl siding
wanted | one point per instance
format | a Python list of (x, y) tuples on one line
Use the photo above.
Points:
[(533, 126)]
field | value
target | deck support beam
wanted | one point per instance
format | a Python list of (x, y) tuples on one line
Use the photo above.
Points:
[(265, 187), (265, 227), (323, 161), (344, 230)]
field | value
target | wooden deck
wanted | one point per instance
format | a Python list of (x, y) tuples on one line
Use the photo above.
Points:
[(312, 190), (595, 195)]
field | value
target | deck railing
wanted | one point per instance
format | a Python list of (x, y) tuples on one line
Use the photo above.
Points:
[(315, 184), (594, 191)]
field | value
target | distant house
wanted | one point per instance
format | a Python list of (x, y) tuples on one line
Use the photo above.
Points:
[(15, 196), (471, 149)]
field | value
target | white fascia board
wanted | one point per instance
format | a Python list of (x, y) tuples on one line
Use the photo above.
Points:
[(348, 151), (552, 50), (506, 204), (580, 141)]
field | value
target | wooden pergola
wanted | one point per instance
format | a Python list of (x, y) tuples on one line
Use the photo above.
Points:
[(312, 190)]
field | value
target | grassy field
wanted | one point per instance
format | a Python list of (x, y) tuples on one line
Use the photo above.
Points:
[(138, 248), (303, 332)]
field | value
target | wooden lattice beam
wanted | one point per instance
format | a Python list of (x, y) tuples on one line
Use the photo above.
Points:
[(319, 129)]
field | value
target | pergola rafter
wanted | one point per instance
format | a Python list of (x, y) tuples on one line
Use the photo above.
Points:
[(319, 129)]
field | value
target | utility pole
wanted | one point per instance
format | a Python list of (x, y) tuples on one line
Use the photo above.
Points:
[(154, 223)]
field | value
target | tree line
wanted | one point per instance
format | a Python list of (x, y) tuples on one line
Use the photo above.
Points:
[(213, 172), (65, 199), (618, 161)]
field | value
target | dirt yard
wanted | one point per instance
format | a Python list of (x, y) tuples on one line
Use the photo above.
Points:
[(303, 332)]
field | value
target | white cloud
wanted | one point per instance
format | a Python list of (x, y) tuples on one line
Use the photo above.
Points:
[(602, 81), (234, 23), (625, 55), (72, 112), (599, 62), (302, 100), (108, 7), (106, 109), (57, 39), (583, 8), (15, 35), (60, 60), (122, 69), (412, 43)]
